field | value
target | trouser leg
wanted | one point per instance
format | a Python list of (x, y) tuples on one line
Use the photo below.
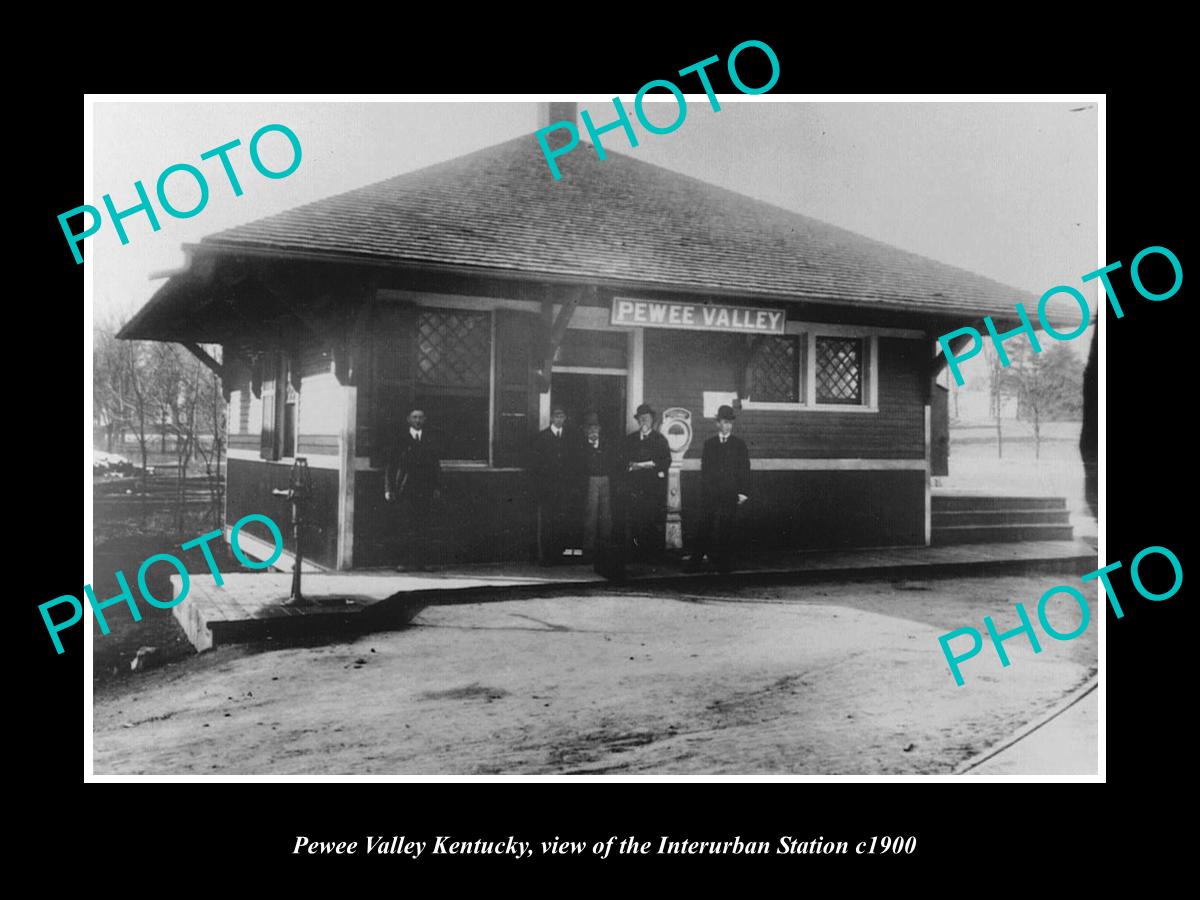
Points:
[(610, 550), (703, 539), (405, 519), (641, 522), (548, 532), (724, 534), (591, 515), (420, 531), (604, 518)]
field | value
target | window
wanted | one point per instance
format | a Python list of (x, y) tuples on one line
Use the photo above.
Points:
[(243, 416), (839, 370), (453, 379), (820, 368), (280, 405), (774, 372)]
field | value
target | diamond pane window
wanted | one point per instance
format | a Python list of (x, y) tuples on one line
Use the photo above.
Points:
[(454, 348), (773, 375), (453, 366), (839, 370)]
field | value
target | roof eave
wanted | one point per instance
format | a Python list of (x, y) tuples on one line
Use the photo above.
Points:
[(1003, 316)]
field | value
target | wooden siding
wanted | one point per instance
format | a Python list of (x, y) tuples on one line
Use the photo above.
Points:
[(319, 444), (481, 517), (250, 486), (490, 516), (315, 359), (681, 366), (386, 384), (822, 510), (602, 349)]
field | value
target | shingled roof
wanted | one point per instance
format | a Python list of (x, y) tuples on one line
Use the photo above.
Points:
[(622, 220)]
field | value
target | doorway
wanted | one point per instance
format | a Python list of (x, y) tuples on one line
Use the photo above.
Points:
[(581, 393)]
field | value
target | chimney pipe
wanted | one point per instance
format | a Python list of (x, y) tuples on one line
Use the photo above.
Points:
[(552, 113), (549, 113)]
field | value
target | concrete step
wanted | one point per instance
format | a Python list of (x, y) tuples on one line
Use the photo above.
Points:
[(955, 517), (977, 502), (986, 534)]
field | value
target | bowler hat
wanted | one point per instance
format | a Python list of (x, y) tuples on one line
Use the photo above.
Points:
[(643, 409), (726, 412), (591, 419)]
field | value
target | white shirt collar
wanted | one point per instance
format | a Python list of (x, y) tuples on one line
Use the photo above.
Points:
[(414, 432)]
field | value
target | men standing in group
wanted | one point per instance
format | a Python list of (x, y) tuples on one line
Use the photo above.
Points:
[(649, 458), (411, 481), (725, 485), (602, 466), (556, 480)]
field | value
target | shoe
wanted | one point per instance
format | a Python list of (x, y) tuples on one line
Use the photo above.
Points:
[(428, 568), (403, 569)]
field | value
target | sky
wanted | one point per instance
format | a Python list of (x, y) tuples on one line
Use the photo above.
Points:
[(1008, 190)]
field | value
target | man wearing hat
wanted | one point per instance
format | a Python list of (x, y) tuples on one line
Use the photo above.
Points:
[(412, 482), (725, 485), (556, 481), (648, 459), (603, 467)]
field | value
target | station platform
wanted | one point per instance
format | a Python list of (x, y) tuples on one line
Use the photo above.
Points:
[(253, 606)]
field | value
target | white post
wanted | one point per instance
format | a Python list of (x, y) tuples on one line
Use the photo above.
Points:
[(347, 451)]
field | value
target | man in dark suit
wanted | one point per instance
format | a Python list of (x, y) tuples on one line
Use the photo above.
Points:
[(648, 458), (411, 481), (603, 467), (556, 482), (725, 482)]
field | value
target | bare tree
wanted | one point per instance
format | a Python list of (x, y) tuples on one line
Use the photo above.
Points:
[(1047, 386), (124, 380), (109, 391), (996, 396), (145, 387), (177, 399), (212, 416), (194, 407)]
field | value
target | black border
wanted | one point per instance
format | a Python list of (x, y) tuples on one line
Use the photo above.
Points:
[(960, 832)]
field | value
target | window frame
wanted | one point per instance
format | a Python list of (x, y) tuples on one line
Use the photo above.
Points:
[(489, 393), (808, 333), (802, 377), (870, 371)]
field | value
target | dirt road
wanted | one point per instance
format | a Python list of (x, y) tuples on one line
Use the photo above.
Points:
[(838, 679)]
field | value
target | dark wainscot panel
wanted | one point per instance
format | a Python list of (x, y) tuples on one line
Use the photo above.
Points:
[(250, 486), (823, 510), (483, 516)]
